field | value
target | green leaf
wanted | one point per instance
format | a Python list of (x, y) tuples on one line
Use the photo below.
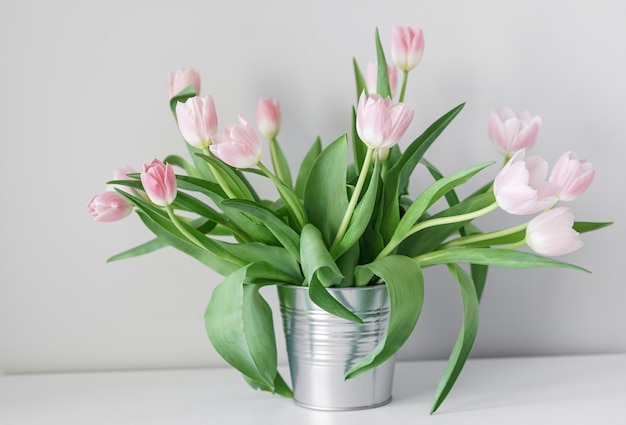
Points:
[(397, 176), (182, 163), (466, 338), (316, 260), (361, 86), (252, 227), (186, 202), (491, 257), (589, 226), (280, 387), (290, 199), (320, 296), (405, 285), (283, 233), (280, 164), (305, 167), (215, 256), (383, 78), (325, 196), (239, 324), (451, 196), (359, 149), (479, 276), (320, 272), (429, 239), (182, 96), (430, 195), (208, 188), (145, 248), (234, 180)]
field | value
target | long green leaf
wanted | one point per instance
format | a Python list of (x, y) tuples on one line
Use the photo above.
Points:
[(316, 260), (305, 167), (466, 338), (239, 324), (182, 163), (405, 285), (182, 97), (589, 226), (145, 248), (321, 271), (322, 298), (283, 233), (359, 80), (382, 86), (398, 175), (234, 180), (359, 149), (325, 196), (430, 195), (491, 257), (214, 255), (429, 239)]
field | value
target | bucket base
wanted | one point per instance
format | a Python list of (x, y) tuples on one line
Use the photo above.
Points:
[(343, 409)]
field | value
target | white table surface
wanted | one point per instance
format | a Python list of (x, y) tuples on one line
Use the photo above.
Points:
[(529, 390)]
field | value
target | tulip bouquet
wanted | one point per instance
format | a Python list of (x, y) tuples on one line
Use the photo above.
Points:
[(344, 220)]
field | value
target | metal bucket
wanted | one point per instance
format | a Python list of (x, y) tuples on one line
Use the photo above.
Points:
[(322, 347)]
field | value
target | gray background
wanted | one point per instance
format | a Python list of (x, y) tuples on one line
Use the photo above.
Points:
[(83, 89)]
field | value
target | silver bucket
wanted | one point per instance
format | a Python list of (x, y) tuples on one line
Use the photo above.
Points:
[(322, 347)]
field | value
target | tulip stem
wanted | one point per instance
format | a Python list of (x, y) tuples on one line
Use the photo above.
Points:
[(354, 199), (281, 173), (393, 243), (405, 77), (181, 228), (287, 195), (484, 237)]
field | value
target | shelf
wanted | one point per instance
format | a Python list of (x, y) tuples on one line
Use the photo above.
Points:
[(526, 390)]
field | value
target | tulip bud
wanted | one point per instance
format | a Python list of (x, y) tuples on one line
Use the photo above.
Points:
[(180, 79), (268, 117), (520, 187), (573, 175), (159, 182), (197, 120), (510, 132), (379, 122), (238, 146), (109, 206), (407, 47), (371, 77), (551, 233)]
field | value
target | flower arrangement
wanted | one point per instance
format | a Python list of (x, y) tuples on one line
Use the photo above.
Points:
[(341, 221)]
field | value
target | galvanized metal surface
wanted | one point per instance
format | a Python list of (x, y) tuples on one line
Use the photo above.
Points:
[(322, 347)]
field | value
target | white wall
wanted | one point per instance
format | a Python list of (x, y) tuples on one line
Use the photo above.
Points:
[(83, 88)]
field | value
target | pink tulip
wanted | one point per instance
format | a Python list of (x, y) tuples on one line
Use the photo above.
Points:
[(371, 77), (520, 187), (510, 132), (238, 146), (573, 175), (268, 117), (180, 79), (197, 120), (551, 233), (109, 206), (407, 47), (379, 122), (159, 182)]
